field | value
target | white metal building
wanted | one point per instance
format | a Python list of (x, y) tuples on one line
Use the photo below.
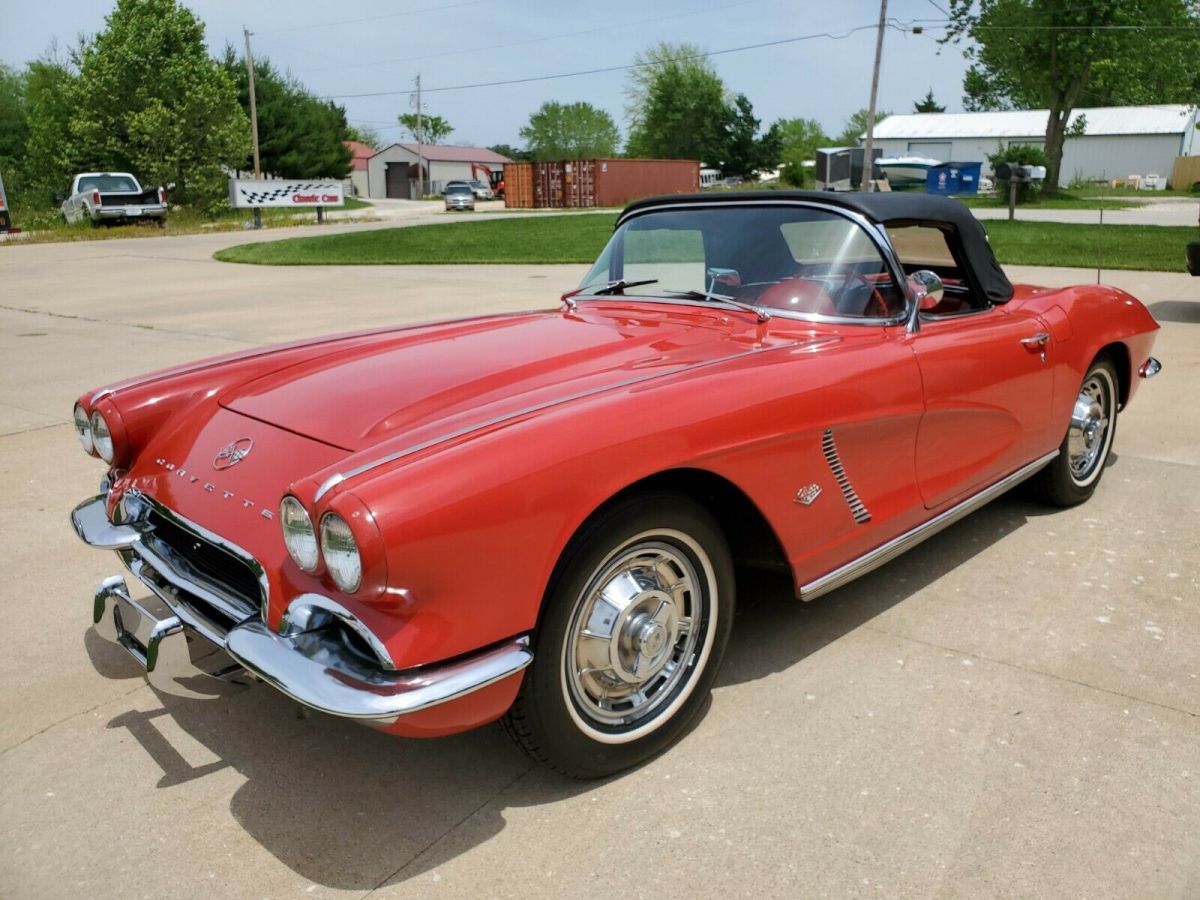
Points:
[(1117, 141), (392, 172)]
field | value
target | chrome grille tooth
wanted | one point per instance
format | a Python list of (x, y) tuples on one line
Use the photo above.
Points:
[(858, 509)]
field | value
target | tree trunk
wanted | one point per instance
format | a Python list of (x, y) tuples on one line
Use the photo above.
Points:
[(1056, 130)]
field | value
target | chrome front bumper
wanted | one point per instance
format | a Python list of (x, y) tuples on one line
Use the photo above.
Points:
[(309, 662)]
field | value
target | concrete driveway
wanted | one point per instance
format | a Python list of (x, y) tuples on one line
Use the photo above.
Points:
[(1011, 710), (1156, 211)]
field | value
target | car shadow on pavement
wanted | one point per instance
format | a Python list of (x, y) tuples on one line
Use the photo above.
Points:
[(1182, 311), (350, 808)]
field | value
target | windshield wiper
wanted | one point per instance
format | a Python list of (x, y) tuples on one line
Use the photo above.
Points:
[(617, 287), (709, 296)]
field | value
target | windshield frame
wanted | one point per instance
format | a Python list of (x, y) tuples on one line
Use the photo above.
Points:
[(873, 231)]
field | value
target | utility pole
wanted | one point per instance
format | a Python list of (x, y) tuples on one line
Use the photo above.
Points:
[(869, 148), (253, 121), (420, 145)]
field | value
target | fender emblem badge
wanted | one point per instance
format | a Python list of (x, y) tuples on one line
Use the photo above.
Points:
[(233, 453), (807, 494)]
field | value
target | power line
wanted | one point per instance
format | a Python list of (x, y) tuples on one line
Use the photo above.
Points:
[(625, 68)]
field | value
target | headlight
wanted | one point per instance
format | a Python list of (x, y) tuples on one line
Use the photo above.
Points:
[(83, 430), (298, 534), (102, 437), (341, 553)]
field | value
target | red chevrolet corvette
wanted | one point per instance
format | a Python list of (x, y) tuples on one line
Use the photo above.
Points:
[(539, 517)]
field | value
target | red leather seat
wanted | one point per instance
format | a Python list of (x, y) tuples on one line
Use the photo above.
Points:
[(798, 295)]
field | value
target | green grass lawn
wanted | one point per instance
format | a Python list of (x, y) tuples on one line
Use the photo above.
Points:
[(1147, 247), (579, 239), (47, 225), (519, 239)]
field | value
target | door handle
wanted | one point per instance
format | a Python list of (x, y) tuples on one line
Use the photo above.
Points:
[(1037, 341)]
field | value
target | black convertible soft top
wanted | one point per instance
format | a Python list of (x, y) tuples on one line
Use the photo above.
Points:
[(884, 208)]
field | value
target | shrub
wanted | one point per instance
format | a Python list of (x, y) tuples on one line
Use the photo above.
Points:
[(1020, 155)]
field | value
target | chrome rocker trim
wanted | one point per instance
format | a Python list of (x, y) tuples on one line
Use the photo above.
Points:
[(309, 662), (872, 560)]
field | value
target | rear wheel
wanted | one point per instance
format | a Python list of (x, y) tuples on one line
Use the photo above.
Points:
[(631, 638), (1074, 474)]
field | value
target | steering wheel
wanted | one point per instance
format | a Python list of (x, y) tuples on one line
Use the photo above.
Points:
[(848, 276)]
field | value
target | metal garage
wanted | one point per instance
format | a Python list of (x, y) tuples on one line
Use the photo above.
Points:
[(1116, 141), (393, 171)]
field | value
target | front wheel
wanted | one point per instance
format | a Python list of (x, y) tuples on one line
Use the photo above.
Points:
[(1072, 477), (631, 638)]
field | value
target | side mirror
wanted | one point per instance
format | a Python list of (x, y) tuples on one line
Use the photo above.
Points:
[(929, 289), (60, 197)]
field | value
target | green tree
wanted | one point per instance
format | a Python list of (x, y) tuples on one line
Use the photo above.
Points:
[(1020, 155), (14, 123), (928, 104), (745, 153), (570, 131), (432, 130), (50, 159), (151, 100), (365, 134), (511, 152), (799, 140), (677, 106), (1059, 54), (856, 127), (299, 136)]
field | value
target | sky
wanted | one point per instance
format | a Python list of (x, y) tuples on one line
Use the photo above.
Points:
[(379, 47)]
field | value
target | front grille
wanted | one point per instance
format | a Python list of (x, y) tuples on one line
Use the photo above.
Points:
[(209, 562)]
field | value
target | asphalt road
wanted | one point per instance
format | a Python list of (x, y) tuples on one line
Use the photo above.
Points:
[(1010, 710)]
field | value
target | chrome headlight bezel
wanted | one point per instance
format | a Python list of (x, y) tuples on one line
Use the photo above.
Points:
[(83, 429), (102, 439), (339, 548), (299, 535)]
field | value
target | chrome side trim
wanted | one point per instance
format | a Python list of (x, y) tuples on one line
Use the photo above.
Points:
[(288, 664), (1150, 368), (858, 509), (893, 548), (338, 477)]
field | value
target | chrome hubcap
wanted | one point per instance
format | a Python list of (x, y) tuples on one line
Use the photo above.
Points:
[(633, 636), (1087, 437)]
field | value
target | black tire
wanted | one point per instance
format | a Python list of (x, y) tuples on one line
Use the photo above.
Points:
[(1072, 477), (660, 650)]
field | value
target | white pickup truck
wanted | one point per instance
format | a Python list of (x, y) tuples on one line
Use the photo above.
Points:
[(112, 197)]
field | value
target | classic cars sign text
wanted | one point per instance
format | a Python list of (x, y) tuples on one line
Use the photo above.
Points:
[(249, 194)]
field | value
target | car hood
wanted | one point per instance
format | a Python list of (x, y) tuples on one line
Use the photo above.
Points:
[(456, 375)]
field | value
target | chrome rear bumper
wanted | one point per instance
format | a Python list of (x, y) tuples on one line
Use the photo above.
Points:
[(312, 662)]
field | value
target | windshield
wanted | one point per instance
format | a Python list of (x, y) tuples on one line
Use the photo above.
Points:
[(478, 184), (118, 183), (458, 188), (782, 258)]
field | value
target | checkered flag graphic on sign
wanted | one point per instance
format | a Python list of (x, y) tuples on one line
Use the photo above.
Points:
[(280, 193)]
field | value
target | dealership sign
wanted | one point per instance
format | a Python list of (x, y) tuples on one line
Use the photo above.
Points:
[(250, 194), (5, 218)]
